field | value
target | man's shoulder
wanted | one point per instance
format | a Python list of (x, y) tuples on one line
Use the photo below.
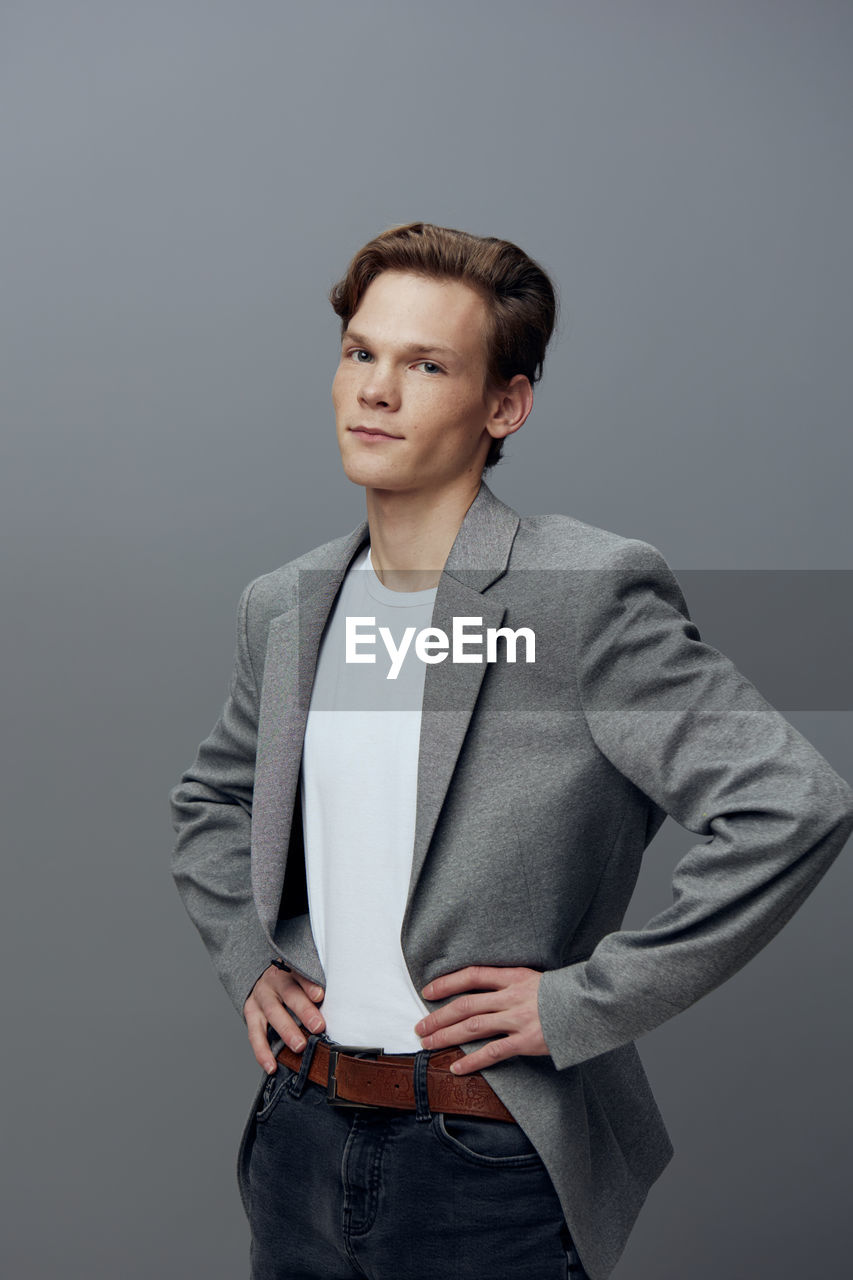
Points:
[(556, 541)]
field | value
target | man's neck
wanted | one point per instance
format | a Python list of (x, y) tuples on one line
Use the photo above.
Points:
[(411, 533)]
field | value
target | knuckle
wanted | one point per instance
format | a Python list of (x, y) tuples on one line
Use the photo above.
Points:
[(281, 1025), (269, 1005)]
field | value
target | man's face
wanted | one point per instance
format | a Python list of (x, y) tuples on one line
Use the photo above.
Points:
[(412, 367)]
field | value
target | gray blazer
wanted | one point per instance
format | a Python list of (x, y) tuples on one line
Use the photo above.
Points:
[(539, 787)]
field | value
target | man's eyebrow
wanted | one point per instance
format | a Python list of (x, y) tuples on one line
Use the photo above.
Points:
[(420, 348)]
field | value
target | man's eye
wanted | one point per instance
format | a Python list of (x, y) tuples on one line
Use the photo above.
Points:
[(436, 367), (360, 351)]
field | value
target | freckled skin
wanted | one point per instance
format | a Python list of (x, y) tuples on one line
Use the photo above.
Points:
[(435, 404)]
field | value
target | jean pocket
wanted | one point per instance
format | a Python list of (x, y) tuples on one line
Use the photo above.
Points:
[(274, 1086), (485, 1141)]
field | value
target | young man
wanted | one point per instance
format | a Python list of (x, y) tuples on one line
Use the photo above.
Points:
[(419, 820)]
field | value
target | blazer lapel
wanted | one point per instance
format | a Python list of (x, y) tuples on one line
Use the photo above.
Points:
[(477, 558)]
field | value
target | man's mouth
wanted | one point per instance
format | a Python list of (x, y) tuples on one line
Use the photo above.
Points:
[(372, 433)]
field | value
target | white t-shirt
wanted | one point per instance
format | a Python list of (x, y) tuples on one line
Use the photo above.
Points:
[(358, 795)]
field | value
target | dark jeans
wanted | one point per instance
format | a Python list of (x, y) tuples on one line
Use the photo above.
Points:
[(335, 1193)]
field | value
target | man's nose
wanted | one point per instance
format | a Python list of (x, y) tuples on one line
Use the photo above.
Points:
[(379, 388)]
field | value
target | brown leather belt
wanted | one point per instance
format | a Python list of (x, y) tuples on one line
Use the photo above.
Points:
[(387, 1080)]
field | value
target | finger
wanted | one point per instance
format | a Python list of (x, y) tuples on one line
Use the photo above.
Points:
[(256, 1024), (281, 1008), (272, 997), (312, 989), (285, 1026), (457, 1010), (293, 994), (473, 977), (487, 1056), (281, 978), (476, 1028), (278, 987)]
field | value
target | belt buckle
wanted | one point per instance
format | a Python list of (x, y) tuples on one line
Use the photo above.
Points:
[(332, 1085)]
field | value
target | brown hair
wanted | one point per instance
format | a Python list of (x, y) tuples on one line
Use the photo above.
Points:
[(521, 301)]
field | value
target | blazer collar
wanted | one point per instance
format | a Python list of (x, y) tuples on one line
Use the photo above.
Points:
[(481, 549), (477, 558)]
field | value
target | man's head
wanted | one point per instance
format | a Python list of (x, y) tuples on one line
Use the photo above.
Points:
[(420, 285)]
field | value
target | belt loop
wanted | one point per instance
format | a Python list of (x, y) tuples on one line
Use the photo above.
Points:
[(422, 1111), (296, 1083)]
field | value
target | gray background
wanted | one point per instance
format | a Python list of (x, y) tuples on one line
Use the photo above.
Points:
[(181, 184)]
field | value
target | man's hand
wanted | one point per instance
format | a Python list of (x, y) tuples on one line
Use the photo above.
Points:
[(275, 989), (510, 1005)]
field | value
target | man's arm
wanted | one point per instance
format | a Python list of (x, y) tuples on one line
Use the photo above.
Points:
[(677, 718), (211, 864), (212, 815)]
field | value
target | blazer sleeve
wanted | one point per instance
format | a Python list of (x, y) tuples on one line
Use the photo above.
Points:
[(212, 816), (677, 718)]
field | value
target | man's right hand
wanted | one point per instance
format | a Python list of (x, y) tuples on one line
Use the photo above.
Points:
[(265, 1005)]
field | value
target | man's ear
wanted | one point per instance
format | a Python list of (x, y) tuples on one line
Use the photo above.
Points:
[(511, 406)]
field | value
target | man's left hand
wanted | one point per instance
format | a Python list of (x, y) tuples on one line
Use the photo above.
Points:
[(508, 1005)]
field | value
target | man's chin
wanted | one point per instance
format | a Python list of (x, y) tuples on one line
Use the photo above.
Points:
[(370, 476)]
